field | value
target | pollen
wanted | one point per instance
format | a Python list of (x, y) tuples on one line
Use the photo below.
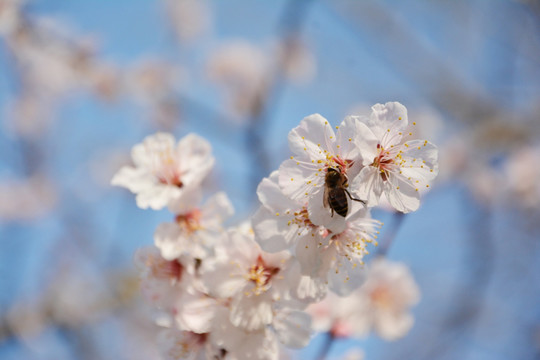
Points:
[(277, 214), (305, 149), (414, 123), (427, 185), (410, 134), (337, 127), (292, 179), (292, 157), (388, 130), (350, 139), (399, 118)]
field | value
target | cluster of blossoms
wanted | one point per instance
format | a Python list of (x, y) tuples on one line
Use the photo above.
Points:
[(239, 292)]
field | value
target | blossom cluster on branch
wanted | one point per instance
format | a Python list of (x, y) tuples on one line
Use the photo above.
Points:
[(240, 292)]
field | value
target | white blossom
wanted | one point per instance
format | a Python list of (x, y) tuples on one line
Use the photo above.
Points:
[(250, 277), (393, 165), (195, 229), (382, 303), (317, 149), (164, 170)]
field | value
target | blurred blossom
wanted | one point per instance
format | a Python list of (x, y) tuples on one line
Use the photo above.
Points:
[(190, 18), (296, 60), (523, 176), (354, 354), (26, 319), (10, 16), (152, 80), (241, 69), (382, 303), (26, 199), (75, 298), (28, 115)]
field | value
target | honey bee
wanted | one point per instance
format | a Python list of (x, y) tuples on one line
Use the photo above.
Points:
[(335, 188)]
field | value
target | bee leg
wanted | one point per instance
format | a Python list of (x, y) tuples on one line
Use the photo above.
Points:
[(350, 197)]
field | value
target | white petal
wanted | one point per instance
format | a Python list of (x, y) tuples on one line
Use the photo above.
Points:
[(308, 255), (425, 165), (366, 141), (390, 116), (144, 154), (367, 186), (135, 179), (311, 289), (189, 200), (293, 180), (272, 232), (169, 240), (271, 196), (345, 138), (158, 196), (195, 312), (222, 278), (401, 194), (293, 328), (251, 312), (216, 210), (304, 140), (196, 158)]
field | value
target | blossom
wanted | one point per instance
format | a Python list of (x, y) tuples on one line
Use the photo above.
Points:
[(291, 328), (317, 149), (250, 277), (163, 171), (326, 255), (176, 344), (162, 280), (195, 229), (382, 303), (393, 165)]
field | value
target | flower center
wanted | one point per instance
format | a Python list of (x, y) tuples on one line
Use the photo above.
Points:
[(261, 275), (301, 218), (164, 269), (381, 297), (190, 221), (383, 161), (166, 169)]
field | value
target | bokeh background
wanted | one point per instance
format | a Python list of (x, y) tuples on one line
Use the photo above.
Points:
[(82, 81)]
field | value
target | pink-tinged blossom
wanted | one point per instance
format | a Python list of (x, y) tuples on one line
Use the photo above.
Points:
[(251, 278), (337, 258), (195, 230), (382, 303), (291, 328), (185, 345), (162, 280), (164, 170), (326, 256), (393, 165), (316, 148), (284, 224)]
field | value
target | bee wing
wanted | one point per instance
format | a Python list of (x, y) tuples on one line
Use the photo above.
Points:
[(325, 197)]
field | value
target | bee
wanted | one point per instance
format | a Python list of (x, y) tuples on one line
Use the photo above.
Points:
[(335, 188)]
